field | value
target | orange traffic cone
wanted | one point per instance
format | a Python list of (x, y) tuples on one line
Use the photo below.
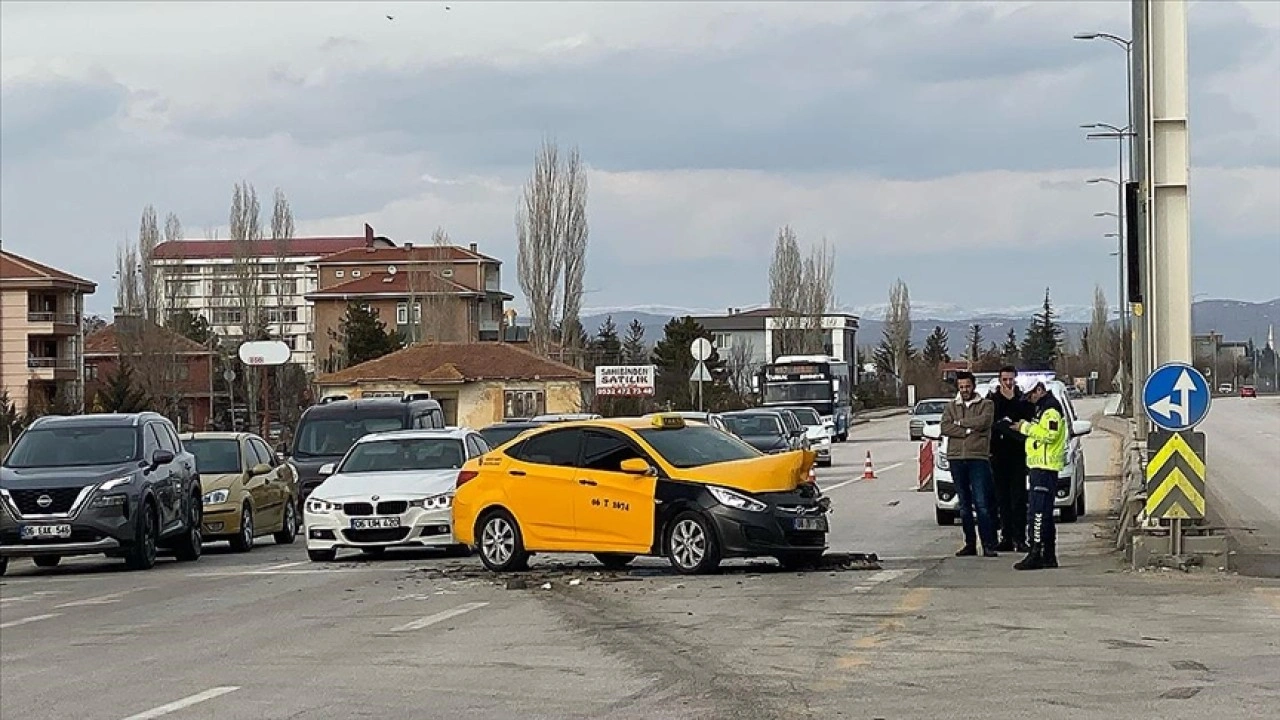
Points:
[(868, 472)]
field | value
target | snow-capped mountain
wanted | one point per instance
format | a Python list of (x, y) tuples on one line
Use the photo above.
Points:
[(921, 311)]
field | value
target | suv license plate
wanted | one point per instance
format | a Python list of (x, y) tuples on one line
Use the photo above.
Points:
[(377, 523), (40, 532), (815, 523)]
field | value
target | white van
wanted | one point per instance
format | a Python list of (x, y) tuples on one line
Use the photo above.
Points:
[(1069, 495)]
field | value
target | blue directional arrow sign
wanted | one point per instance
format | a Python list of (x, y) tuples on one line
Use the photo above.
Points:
[(1176, 397)]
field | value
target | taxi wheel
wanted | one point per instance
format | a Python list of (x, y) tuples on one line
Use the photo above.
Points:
[(614, 561), (692, 546), (501, 543)]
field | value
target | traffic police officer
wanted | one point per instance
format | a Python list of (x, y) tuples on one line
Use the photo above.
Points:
[(1046, 444)]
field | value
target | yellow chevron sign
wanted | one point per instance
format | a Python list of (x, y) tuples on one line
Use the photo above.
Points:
[(1175, 475)]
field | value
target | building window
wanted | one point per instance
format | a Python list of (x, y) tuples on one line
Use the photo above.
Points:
[(276, 315), (90, 372), (524, 403), (402, 313), (339, 273), (355, 273), (723, 341), (226, 316)]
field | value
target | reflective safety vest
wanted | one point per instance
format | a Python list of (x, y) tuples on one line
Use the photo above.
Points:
[(1046, 443)]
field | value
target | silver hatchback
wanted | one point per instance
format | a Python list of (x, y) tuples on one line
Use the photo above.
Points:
[(926, 412)]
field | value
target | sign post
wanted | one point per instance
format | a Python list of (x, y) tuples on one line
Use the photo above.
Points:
[(1176, 398), (264, 354), (700, 348)]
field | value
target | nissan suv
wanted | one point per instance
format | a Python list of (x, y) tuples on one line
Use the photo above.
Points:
[(121, 485)]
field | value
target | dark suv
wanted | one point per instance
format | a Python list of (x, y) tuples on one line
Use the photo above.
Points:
[(116, 484)]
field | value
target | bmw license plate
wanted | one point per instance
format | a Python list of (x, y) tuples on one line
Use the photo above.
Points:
[(45, 532), (375, 523), (818, 524)]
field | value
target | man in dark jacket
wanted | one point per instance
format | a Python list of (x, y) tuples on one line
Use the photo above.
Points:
[(1009, 460)]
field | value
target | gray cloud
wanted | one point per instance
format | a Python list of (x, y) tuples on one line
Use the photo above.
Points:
[(37, 114), (901, 96)]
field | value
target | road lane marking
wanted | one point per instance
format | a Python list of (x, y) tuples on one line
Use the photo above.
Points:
[(37, 595), (837, 486), (282, 566), (102, 599), (439, 617), (884, 576), (184, 703), (25, 620)]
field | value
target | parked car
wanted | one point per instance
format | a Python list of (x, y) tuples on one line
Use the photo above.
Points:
[(564, 417), (503, 432), (392, 489), (818, 433), (1069, 496), (764, 431), (117, 484), (1248, 391), (248, 492), (327, 431), (926, 412)]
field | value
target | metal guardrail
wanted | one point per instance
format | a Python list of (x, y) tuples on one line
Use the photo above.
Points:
[(50, 363), (50, 317)]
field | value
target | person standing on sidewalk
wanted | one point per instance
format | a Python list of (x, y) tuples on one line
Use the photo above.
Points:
[(966, 423), (1009, 461), (1046, 455)]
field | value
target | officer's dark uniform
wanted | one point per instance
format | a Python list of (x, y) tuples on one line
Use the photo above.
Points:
[(1046, 447), (1009, 467)]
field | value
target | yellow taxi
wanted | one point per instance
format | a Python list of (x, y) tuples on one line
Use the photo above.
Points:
[(624, 487)]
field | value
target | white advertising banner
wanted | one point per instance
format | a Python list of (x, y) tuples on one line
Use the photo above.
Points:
[(624, 380)]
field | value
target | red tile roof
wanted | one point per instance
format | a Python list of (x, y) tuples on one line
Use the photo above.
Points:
[(401, 254), (385, 284), (16, 267), (107, 342), (456, 362), (297, 247)]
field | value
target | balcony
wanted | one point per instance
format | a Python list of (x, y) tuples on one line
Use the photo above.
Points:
[(52, 368), (54, 323), (488, 331)]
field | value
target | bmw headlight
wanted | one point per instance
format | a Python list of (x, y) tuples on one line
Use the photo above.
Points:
[(320, 506), (216, 497), (435, 502), (736, 500)]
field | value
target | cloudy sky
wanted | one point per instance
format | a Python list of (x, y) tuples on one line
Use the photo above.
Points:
[(938, 143)]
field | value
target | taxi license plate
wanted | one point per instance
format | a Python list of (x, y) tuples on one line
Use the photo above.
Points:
[(814, 523), (377, 523), (43, 532)]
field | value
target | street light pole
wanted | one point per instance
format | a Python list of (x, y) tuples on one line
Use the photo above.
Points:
[(1122, 316)]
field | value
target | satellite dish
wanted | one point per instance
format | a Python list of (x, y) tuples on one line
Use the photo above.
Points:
[(391, 269)]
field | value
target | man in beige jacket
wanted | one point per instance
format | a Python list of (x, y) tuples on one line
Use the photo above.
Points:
[(966, 423)]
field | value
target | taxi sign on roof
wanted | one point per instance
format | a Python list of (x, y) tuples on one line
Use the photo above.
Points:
[(667, 422)]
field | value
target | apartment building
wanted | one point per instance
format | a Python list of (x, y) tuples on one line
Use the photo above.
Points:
[(203, 276), (429, 293), (41, 338)]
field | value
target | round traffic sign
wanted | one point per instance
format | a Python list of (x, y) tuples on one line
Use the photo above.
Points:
[(700, 349), (1176, 397)]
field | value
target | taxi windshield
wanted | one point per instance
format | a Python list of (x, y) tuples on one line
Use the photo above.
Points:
[(405, 454), (695, 446)]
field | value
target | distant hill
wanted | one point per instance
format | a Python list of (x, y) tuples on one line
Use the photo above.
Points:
[(1234, 319)]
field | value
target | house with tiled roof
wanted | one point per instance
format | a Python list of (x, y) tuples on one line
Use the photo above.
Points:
[(201, 276), (41, 309), (431, 293), (175, 372), (476, 383)]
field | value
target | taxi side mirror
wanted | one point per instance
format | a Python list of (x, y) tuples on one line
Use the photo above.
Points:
[(635, 466)]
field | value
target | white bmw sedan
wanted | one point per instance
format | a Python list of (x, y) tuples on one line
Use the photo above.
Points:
[(391, 489)]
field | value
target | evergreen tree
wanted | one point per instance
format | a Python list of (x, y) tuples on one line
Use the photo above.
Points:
[(974, 343), (882, 356), (1042, 345), (936, 348), (634, 349), (365, 336), (606, 347), (191, 326), (1009, 353), (10, 419), (121, 393), (675, 366)]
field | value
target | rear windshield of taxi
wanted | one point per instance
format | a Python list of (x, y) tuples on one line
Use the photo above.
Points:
[(695, 446)]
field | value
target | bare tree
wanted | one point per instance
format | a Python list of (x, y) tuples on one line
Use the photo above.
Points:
[(551, 234), (1099, 348), (150, 281), (245, 226), (817, 295), (786, 278), (128, 285), (897, 327), (172, 228), (282, 232), (739, 367)]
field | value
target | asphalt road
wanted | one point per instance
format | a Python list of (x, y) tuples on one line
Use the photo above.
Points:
[(269, 636), (1242, 438)]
